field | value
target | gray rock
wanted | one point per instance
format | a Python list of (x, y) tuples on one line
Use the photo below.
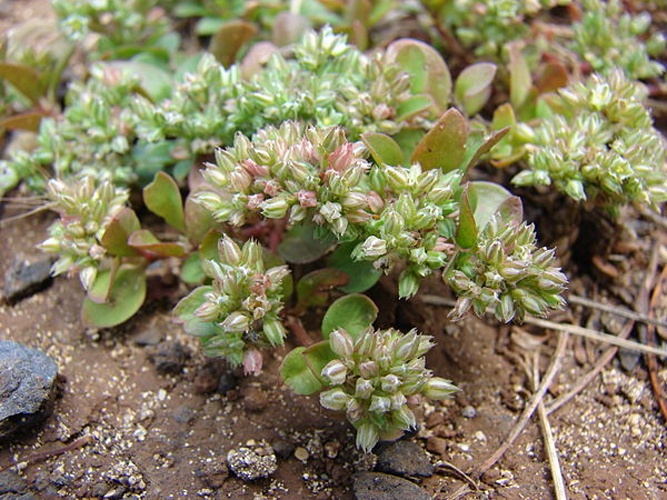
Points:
[(250, 463), (169, 358), (380, 486), (23, 278), (27, 387), (404, 458)]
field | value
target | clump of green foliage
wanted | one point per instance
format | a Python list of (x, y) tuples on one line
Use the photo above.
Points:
[(356, 163)]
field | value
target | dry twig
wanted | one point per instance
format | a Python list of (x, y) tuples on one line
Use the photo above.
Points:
[(549, 442)]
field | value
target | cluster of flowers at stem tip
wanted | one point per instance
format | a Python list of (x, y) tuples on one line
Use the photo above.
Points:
[(114, 22), (93, 137), (86, 207), (608, 37), (306, 174), (507, 274), (603, 146), (487, 26), (325, 81), (374, 377), (238, 314)]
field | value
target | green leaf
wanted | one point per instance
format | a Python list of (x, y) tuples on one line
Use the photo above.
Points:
[(117, 233), (297, 375), (361, 273), (25, 79), (228, 40), (479, 144), (150, 247), (151, 159), (156, 82), (163, 198), (300, 244), (313, 289), (208, 248), (208, 25), (189, 9), (412, 106), (317, 356), (272, 259), (191, 270), (428, 71), (127, 294), (354, 312), (443, 146), (466, 235), (185, 312), (520, 79), (490, 196), (473, 87), (383, 149)]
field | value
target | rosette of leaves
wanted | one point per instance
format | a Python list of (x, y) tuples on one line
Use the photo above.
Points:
[(609, 37), (238, 313), (372, 375), (599, 145)]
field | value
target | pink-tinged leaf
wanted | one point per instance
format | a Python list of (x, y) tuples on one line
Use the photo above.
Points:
[(198, 221), (473, 87), (466, 234), (383, 149), (256, 58), (428, 71), (521, 82), (443, 146), (289, 28), (117, 233), (314, 288), (127, 294), (25, 79), (150, 247), (554, 76), (25, 121), (163, 198), (228, 40)]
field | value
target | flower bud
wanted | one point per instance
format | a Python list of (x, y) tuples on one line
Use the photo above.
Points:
[(363, 389), (334, 399), (372, 247), (229, 251), (208, 312), (404, 418), (367, 436), (275, 208), (390, 383), (335, 372), (341, 343), (236, 322), (438, 388), (274, 331), (380, 404)]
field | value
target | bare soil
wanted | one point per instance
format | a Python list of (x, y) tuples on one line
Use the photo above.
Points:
[(127, 424)]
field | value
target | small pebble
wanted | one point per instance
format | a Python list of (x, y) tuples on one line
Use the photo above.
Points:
[(169, 358), (255, 398), (436, 445), (469, 412), (404, 458), (283, 449), (247, 464), (380, 486), (301, 454)]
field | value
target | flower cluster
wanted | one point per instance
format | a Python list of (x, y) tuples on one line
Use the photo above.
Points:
[(115, 23), (326, 82), (603, 147), (86, 207), (487, 26), (93, 137), (608, 37), (374, 377), (309, 174), (508, 274), (239, 312)]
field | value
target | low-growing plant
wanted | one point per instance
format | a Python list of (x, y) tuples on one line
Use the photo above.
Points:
[(356, 164)]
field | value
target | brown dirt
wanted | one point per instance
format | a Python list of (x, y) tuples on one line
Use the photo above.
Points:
[(122, 430)]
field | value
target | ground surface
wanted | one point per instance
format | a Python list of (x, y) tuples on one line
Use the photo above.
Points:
[(142, 414)]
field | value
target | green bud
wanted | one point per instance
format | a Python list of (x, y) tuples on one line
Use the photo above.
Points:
[(274, 331), (367, 436), (341, 343), (335, 372), (403, 418), (438, 388), (275, 208), (334, 399), (229, 252)]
